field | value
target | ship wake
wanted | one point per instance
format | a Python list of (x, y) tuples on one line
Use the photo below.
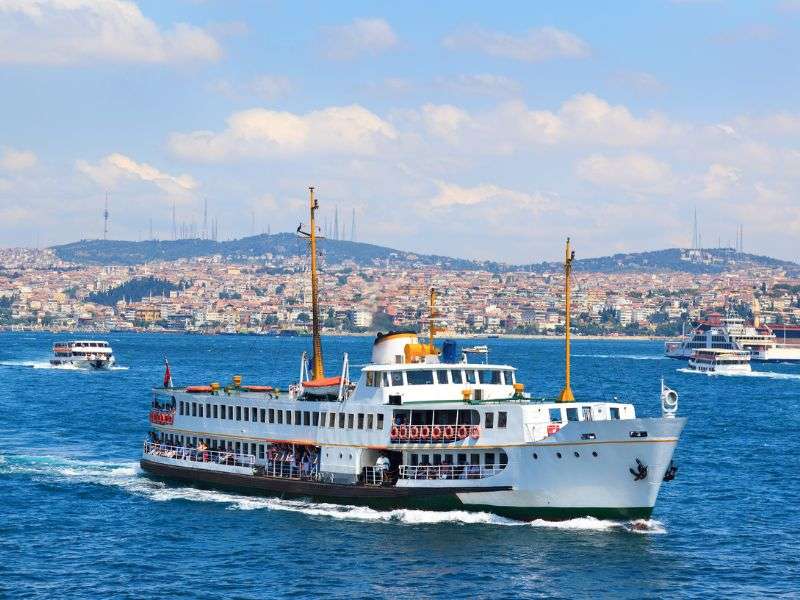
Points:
[(128, 477), (758, 374)]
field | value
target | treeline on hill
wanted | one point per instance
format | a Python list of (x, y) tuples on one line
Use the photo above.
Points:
[(135, 290)]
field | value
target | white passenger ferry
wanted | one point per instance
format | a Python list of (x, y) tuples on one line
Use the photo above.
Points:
[(714, 360), (732, 333), (84, 354), (418, 428)]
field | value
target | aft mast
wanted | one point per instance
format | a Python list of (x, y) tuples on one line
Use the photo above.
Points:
[(317, 367), (566, 394)]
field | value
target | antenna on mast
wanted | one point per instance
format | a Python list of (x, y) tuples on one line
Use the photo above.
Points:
[(566, 394), (105, 219), (318, 369), (353, 227)]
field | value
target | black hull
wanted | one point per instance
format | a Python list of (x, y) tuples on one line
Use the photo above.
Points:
[(384, 498)]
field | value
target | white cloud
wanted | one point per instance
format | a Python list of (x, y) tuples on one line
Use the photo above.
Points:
[(633, 173), (16, 160), (535, 45), (361, 37), (453, 195), (719, 180), (266, 133), (444, 120), (109, 171), (61, 32)]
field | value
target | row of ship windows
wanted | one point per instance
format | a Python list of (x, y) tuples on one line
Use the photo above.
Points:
[(281, 417), (557, 416), (440, 376), (458, 459)]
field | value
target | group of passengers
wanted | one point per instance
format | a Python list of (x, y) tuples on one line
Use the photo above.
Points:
[(289, 460), (199, 452)]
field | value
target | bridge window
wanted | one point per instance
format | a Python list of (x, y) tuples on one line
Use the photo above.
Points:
[(441, 377), (614, 412), (471, 376), (350, 420), (370, 420), (490, 376), (397, 378), (502, 419), (572, 414), (419, 377), (555, 415), (456, 376), (489, 420), (509, 377), (380, 420)]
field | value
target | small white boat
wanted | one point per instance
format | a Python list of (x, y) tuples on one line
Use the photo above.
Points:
[(712, 360), (83, 354)]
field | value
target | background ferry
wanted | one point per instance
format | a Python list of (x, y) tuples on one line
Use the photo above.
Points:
[(85, 354), (733, 333), (713, 360)]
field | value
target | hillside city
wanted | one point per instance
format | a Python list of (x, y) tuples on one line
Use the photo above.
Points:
[(40, 291)]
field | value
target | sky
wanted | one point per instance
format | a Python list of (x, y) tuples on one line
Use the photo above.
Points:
[(471, 129)]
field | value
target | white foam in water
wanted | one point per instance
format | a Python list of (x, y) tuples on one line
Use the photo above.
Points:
[(45, 364), (762, 374), (128, 476)]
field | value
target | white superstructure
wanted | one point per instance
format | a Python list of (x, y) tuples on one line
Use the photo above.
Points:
[(87, 354)]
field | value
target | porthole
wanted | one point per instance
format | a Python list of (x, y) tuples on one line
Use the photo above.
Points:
[(558, 454), (535, 456), (594, 454), (577, 455)]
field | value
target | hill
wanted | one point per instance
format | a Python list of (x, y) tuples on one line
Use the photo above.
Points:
[(258, 248)]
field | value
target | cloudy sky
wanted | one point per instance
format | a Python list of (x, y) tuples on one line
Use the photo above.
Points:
[(492, 131)]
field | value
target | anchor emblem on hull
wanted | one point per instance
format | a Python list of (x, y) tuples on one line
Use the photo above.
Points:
[(640, 472)]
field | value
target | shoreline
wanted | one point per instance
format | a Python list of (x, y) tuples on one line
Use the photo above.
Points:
[(499, 336)]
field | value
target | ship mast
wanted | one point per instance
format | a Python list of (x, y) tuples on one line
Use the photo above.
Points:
[(566, 394), (432, 323), (317, 368)]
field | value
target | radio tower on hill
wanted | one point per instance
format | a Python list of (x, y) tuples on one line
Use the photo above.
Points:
[(105, 219)]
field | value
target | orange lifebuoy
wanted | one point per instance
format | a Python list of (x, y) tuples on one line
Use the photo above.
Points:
[(553, 428), (437, 432), (476, 432), (395, 433), (462, 432), (425, 432), (449, 432), (413, 432), (403, 432)]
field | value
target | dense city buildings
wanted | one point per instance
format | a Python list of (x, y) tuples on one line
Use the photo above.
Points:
[(38, 290)]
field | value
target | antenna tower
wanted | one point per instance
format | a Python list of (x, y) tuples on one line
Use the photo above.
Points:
[(105, 219)]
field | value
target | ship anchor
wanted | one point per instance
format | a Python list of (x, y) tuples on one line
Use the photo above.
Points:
[(671, 471), (640, 472)]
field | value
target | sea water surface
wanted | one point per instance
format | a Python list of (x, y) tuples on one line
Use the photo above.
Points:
[(79, 519)]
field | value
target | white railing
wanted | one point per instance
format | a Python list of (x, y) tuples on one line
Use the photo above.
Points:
[(374, 476), (289, 470), (448, 471), (222, 457)]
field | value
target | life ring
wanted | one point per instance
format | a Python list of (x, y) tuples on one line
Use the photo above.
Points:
[(437, 432), (413, 432), (552, 428), (395, 433), (425, 432), (475, 433), (402, 432), (462, 432), (449, 432)]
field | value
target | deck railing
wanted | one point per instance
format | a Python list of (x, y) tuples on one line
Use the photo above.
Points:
[(448, 471), (222, 457), (290, 470)]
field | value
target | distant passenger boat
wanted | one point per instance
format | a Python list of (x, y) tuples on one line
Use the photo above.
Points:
[(709, 360), (83, 354)]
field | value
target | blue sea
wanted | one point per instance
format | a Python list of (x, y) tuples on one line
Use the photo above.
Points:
[(79, 520)]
